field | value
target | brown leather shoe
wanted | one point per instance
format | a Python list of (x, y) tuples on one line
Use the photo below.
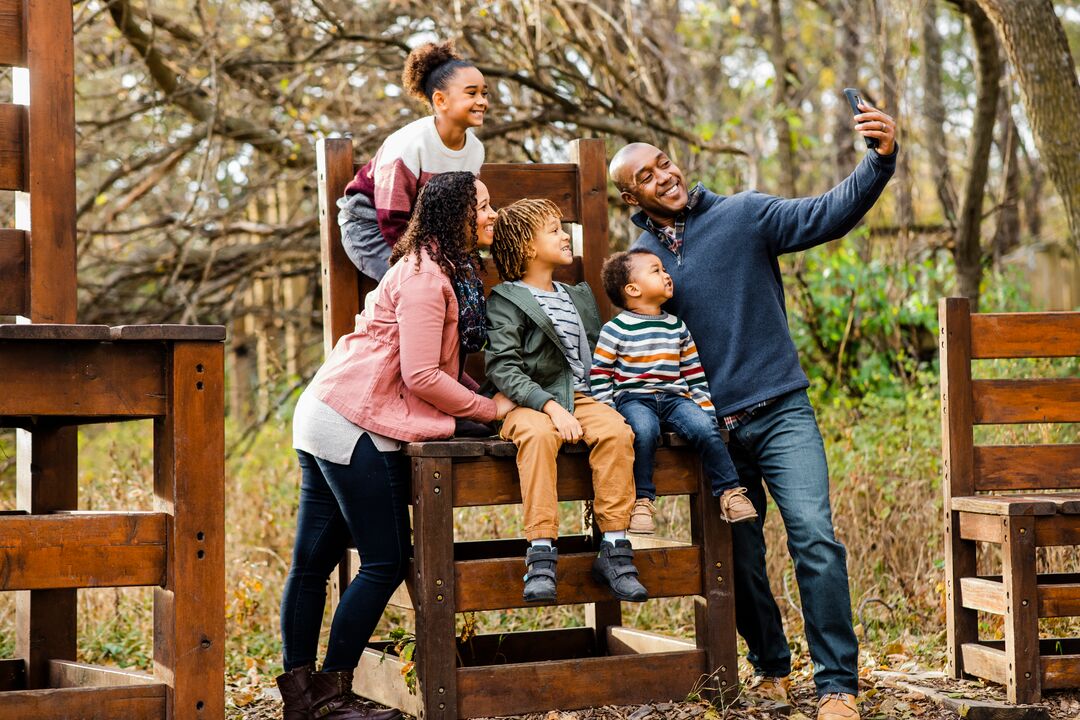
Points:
[(332, 698), (769, 689), (837, 706), (641, 518), (736, 507)]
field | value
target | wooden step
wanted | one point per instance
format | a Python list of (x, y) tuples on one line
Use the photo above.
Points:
[(1058, 594), (1059, 661), (145, 702)]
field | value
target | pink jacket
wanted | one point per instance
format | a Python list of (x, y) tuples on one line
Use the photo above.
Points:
[(403, 383)]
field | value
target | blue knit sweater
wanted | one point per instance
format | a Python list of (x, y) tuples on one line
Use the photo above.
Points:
[(727, 280)]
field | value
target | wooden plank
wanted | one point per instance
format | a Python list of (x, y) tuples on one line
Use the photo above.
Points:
[(12, 674), (954, 316), (12, 40), (84, 379), (1059, 595), (47, 481), (528, 646), (207, 333), (984, 661), (12, 271), (1026, 401), (983, 594), (515, 547), (1023, 467), (452, 448), (714, 609), (1025, 335), (974, 709), (494, 481), (573, 684), (1060, 671), (496, 584), (591, 232), (82, 550), (557, 182), (340, 278), (1022, 616), (1057, 530), (130, 703), (378, 677), (50, 160), (12, 146), (67, 674), (189, 485), (979, 528), (436, 586), (1002, 505), (630, 641), (63, 332)]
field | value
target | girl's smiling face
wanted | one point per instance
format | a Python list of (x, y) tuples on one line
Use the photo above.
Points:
[(485, 216), (464, 100)]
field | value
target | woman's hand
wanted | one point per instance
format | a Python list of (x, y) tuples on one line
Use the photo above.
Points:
[(566, 424), (503, 405)]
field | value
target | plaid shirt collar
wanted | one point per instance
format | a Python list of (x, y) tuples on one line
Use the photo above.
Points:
[(671, 236)]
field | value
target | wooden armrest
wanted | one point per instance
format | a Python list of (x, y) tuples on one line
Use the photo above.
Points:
[(204, 333), (1004, 505), (54, 331)]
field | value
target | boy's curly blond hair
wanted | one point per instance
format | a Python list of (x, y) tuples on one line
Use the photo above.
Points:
[(515, 226)]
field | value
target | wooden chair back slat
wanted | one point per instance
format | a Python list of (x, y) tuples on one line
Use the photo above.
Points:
[(1010, 468), (508, 182), (12, 41), (1025, 335), (12, 147), (1026, 401), (12, 272), (340, 279)]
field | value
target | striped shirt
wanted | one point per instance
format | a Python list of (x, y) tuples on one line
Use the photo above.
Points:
[(647, 354), (564, 316)]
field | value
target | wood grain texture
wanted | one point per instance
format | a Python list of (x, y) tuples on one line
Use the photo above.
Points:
[(1026, 401), (12, 272), (108, 703), (976, 527), (12, 40), (82, 550), (1025, 335), (572, 684), (64, 332), (983, 594), (496, 584), (528, 646), (1003, 505), (378, 677), (591, 232), (82, 379), (189, 485), (557, 182), (1021, 628), (1027, 467), (207, 333), (631, 641), (50, 160), (340, 278), (12, 147), (65, 674), (985, 662)]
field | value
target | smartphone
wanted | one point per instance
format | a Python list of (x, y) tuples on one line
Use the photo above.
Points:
[(854, 99)]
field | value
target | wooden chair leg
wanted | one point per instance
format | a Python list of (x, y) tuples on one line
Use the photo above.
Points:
[(436, 646), (714, 610), (189, 465), (47, 462), (1022, 612), (962, 624)]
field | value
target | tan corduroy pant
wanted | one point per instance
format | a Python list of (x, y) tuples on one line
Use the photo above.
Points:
[(611, 457)]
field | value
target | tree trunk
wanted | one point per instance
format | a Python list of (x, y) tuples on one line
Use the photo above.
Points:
[(934, 114), (905, 213), (1039, 51), (781, 98), (967, 250), (847, 46), (1007, 232)]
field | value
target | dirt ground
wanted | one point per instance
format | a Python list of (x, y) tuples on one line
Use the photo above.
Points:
[(883, 695)]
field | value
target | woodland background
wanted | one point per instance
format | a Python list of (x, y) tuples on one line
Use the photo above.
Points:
[(197, 121)]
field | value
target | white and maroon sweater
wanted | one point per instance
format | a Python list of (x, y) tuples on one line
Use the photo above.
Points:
[(404, 163)]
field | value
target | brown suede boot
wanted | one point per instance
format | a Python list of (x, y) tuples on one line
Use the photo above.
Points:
[(332, 698), (295, 687)]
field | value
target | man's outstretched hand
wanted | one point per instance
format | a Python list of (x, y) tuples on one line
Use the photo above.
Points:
[(873, 123)]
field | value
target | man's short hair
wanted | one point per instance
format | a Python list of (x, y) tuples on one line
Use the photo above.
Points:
[(515, 226), (615, 275)]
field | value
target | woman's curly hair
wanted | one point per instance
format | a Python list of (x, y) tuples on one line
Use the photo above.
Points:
[(429, 67), (444, 223), (515, 226)]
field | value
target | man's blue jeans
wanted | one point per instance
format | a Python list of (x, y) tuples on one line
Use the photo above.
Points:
[(647, 413), (780, 447), (364, 504)]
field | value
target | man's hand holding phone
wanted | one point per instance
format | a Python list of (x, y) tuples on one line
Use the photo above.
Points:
[(878, 128)]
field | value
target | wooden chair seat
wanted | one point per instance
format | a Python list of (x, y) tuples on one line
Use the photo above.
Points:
[(104, 333), (1030, 504)]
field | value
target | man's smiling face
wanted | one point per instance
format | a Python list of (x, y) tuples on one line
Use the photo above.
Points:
[(652, 182)]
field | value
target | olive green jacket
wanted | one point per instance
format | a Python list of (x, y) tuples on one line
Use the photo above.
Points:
[(524, 358)]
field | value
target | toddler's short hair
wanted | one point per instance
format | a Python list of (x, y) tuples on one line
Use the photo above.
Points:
[(615, 275), (515, 226)]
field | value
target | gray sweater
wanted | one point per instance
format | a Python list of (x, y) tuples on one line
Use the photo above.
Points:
[(728, 287)]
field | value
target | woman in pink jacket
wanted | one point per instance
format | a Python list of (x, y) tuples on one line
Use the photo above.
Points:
[(396, 379)]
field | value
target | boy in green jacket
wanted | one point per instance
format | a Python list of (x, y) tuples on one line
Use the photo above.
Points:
[(541, 338)]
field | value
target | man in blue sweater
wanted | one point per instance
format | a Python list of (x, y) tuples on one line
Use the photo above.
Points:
[(721, 253)]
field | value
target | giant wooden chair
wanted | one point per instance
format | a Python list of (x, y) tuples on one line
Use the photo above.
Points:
[(56, 375), (512, 673), (996, 494)]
